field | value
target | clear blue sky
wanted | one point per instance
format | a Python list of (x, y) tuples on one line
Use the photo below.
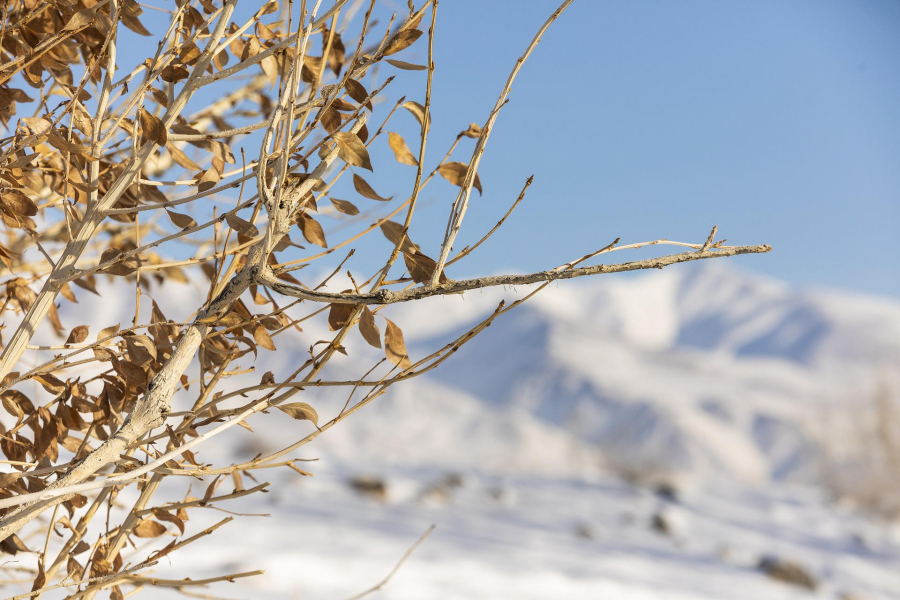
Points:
[(777, 120)]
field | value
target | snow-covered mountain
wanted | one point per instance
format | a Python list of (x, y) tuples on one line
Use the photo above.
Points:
[(704, 371)]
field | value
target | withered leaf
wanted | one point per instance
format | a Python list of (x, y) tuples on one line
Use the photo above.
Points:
[(417, 110), (77, 335), (402, 64), (311, 230), (393, 231), (300, 411), (263, 338), (107, 332), (141, 349), (358, 92), (180, 220), (18, 203), (50, 382), (474, 131), (365, 190), (181, 159), (401, 151), (149, 528), (339, 315), (344, 206), (401, 41), (81, 19), (395, 347), (152, 128), (122, 267), (455, 173), (421, 268), (13, 544), (352, 150), (368, 328), (209, 179), (331, 119), (241, 226)]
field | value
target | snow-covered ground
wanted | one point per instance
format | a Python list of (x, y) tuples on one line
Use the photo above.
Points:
[(538, 449)]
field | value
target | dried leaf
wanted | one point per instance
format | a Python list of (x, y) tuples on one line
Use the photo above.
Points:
[(81, 19), (181, 159), (300, 411), (180, 220), (401, 151), (417, 110), (331, 119), (365, 190), (402, 64), (18, 203), (474, 131), (344, 206), (352, 150), (455, 173), (421, 268), (141, 349), (395, 347), (311, 230), (358, 92), (149, 528), (401, 41), (368, 328), (393, 231), (339, 315), (107, 332), (241, 226), (77, 335), (152, 128), (209, 179), (263, 338)]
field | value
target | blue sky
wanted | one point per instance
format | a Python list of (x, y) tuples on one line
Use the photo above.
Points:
[(776, 120)]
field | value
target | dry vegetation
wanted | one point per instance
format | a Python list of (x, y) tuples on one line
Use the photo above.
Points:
[(109, 170)]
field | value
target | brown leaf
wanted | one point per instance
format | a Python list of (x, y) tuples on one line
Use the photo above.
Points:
[(365, 190), (401, 151), (78, 335), (417, 110), (300, 411), (107, 332), (393, 231), (455, 173), (311, 230), (474, 131), (421, 267), (152, 128), (402, 64), (209, 179), (395, 347), (141, 349), (331, 119), (352, 150), (81, 19), (401, 41), (263, 338), (344, 206), (180, 220), (181, 159), (241, 226), (358, 92), (18, 203), (368, 328), (339, 315), (149, 528)]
